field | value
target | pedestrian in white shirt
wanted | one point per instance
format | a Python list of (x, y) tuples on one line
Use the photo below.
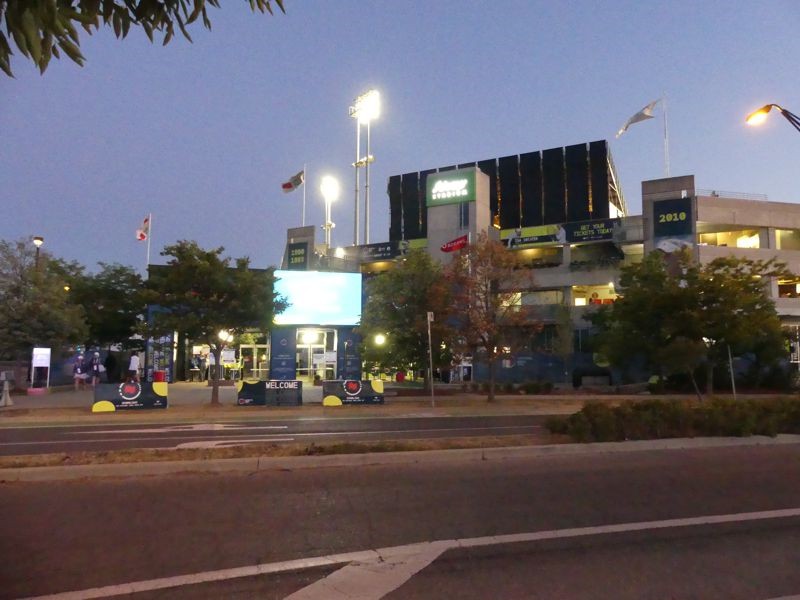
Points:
[(133, 368)]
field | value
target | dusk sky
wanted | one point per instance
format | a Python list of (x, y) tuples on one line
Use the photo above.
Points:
[(203, 134)]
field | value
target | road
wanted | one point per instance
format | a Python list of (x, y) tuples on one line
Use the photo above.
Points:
[(658, 524), (70, 438)]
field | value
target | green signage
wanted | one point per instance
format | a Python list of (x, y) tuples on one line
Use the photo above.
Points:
[(450, 187)]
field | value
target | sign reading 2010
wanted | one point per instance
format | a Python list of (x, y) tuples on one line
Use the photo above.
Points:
[(672, 217)]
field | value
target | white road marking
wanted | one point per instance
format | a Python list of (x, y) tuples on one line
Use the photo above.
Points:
[(297, 434), (229, 443), (374, 578), (195, 427), (369, 557)]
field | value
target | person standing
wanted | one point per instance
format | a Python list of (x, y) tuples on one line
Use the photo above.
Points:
[(110, 364), (94, 368), (133, 368), (79, 373)]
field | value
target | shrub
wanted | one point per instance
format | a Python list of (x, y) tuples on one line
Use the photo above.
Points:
[(531, 387), (653, 419)]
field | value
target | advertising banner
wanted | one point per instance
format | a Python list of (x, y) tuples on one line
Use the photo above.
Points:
[(673, 224), (352, 391), (566, 233), (269, 393), (348, 364), (283, 355), (456, 244), (109, 397), (376, 252)]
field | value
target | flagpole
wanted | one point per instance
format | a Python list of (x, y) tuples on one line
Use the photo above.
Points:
[(305, 177), (666, 135), (149, 236)]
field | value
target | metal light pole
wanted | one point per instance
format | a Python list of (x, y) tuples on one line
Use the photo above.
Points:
[(365, 108), (329, 187), (37, 241), (759, 116)]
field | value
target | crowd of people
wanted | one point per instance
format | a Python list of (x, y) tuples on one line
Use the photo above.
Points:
[(90, 369)]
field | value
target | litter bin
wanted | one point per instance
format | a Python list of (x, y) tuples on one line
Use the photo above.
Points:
[(159, 376)]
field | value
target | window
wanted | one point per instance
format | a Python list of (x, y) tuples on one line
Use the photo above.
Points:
[(787, 239), (463, 215), (746, 238)]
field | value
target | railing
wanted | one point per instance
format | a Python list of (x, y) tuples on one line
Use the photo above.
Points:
[(733, 195)]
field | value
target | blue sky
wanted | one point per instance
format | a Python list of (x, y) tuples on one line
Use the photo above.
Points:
[(203, 134)]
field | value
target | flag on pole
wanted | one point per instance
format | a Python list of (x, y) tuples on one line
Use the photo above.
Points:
[(294, 182), (144, 231), (642, 115), (456, 244)]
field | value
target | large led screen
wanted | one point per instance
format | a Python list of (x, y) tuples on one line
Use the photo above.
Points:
[(317, 298)]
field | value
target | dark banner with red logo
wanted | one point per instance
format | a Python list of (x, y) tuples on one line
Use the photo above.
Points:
[(132, 394), (352, 391)]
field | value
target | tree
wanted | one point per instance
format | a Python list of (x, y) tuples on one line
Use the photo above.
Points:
[(397, 304), (35, 309), (45, 28), (676, 313), (114, 302), (201, 294), (488, 280), (736, 313)]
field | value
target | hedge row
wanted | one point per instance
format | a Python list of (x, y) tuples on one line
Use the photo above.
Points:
[(654, 419)]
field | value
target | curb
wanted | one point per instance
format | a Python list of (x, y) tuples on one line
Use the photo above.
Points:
[(254, 464)]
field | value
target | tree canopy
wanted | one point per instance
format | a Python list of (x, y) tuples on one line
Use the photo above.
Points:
[(202, 293), (45, 28), (35, 307), (397, 304), (671, 305), (489, 281), (113, 302)]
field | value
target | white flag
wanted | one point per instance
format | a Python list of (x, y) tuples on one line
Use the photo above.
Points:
[(642, 115)]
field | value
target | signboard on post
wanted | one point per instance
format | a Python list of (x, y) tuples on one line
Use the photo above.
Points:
[(40, 363)]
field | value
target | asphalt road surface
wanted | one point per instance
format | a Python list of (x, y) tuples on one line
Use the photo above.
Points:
[(707, 523), (40, 440)]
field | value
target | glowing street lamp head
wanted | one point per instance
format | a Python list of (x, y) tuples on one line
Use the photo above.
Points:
[(759, 116), (367, 107), (38, 240), (329, 188), (380, 339)]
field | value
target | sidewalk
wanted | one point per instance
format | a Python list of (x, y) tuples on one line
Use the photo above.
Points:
[(190, 402)]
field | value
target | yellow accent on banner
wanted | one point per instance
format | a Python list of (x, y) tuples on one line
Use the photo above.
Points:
[(103, 406), (377, 386), (160, 388), (239, 385), (530, 231), (331, 401)]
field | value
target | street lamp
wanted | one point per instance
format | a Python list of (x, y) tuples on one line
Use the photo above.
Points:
[(380, 339), (365, 108), (330, 192), (37, 241), (759, 116)]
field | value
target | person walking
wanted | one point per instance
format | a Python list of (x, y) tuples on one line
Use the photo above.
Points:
[(133, 368), (95, 368), (79, 373)]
